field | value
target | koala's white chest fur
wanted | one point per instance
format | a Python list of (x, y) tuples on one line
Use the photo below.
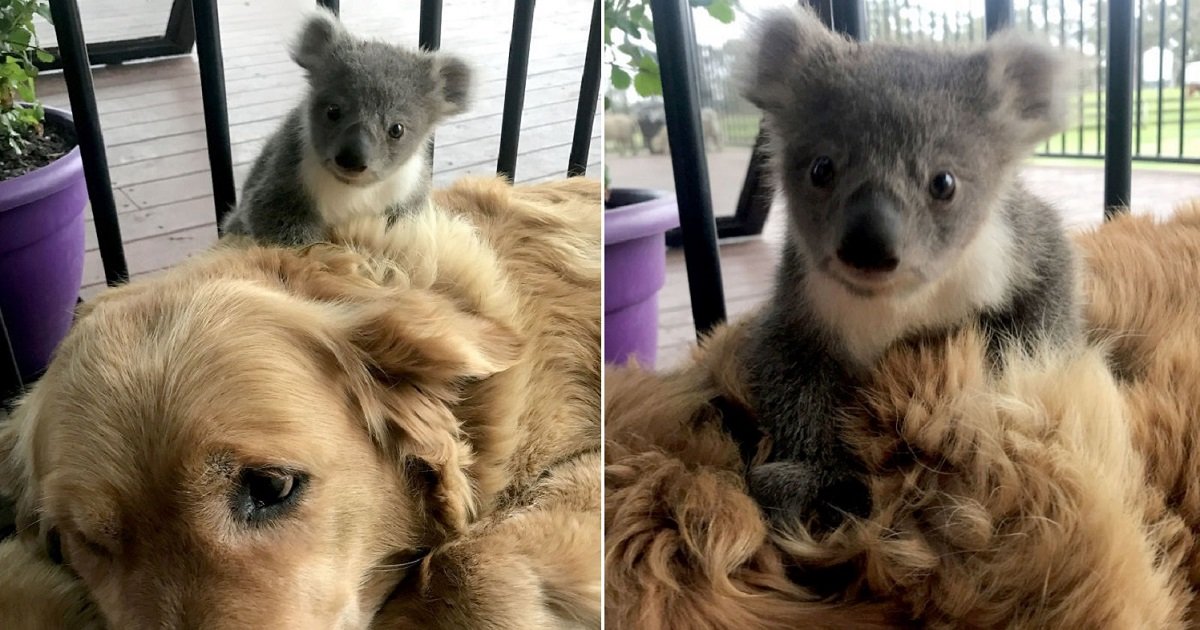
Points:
[(983, 277), (337, 201)]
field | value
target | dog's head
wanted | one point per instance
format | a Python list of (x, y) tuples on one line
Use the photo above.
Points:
[(255, 439), (893, 157), (371, 105)]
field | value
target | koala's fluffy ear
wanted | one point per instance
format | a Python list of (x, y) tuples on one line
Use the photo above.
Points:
[(1031, 83), (318, 36), (453, 78), (782, 46)]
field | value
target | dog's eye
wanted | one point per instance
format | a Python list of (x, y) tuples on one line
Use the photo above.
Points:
[(333, 112), (942, 186), (266, 493), (822, 172), (396, 130)]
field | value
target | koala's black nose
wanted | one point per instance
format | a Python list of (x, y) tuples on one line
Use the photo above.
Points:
[(351, 158), (867, 249), (869, 239)]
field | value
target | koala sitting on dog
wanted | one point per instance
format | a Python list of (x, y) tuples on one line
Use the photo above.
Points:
[(357, 144), (898, 167)]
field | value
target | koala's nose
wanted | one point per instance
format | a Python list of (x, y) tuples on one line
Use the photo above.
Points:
[(869, 240), (867, 248), (352, 156)]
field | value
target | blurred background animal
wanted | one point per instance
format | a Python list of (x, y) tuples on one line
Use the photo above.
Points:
[(618, 132), (710, 124)]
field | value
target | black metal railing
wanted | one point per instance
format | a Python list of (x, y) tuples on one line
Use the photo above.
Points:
[(1166, 111), (699, 232), (1166, 125), (76, 67)]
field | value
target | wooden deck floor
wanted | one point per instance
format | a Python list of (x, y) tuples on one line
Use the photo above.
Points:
[(748, 264), (153, 121)]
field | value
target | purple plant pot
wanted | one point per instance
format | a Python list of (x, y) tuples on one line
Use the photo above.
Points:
[(41, 254), (635, 261)]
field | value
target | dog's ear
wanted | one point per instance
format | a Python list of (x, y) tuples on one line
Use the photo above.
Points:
[(317, 37), (17, 482), (405, 354), (413, 351), (782, 47), (423, 337), (1031, 84), (453, 79)]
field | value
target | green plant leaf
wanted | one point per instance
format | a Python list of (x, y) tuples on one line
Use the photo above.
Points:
[(721, 10), (620, 79), (648, 83), (44, 56), (19, 37)]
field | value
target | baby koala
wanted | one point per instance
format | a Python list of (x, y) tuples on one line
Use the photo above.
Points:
[(358, 142), (898, 166)]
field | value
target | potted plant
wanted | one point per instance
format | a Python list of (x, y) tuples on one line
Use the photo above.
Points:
[(637, 220), (42, 197)]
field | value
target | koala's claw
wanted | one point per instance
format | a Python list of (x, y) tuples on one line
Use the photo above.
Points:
[(800, 494)]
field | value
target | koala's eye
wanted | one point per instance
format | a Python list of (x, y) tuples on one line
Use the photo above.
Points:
[(333, 112), (264, 493), (942, 186), (822, 172), (396, 130)]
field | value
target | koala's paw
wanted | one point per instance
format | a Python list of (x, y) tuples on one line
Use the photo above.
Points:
[(801, 494)]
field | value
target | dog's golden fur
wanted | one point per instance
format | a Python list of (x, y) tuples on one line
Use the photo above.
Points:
[(437, 381), (1052, 495), (36, 594)]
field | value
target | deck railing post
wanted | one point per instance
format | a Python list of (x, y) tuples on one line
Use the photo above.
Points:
[(10, 373), (676, 39), (334, 6), (430, 34), (216, 114), (429, 37), (514, 88), (850, 18), (77, 74), (998, 15), (589, 93), (1118, 135)]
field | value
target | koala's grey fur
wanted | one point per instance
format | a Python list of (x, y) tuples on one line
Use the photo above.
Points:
[(296, 186), (891, 117)]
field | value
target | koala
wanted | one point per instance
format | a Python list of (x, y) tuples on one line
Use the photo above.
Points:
[(357, 143), (898, 168)]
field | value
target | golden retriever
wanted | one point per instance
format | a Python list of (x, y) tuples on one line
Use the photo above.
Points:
[(287, 438), (1062, 493)]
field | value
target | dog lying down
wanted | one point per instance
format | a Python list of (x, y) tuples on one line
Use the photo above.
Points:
[(1053, 496), (399, 428)]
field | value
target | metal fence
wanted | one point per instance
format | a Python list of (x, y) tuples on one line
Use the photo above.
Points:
[(201, 25), (699, 230), (1166, 64)]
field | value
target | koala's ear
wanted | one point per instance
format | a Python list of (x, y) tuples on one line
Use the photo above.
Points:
[(784, 45), (1031, 83), (453, 79), (321, 31)]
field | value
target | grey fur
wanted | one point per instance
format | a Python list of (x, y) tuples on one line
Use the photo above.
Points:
[(890, 117), (374, 85)]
